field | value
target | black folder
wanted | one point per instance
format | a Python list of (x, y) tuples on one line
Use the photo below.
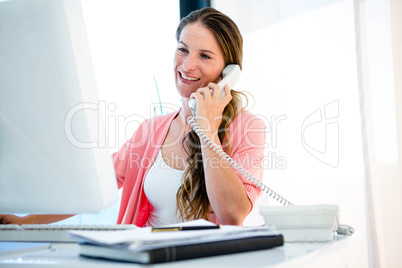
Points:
[(182, 251)]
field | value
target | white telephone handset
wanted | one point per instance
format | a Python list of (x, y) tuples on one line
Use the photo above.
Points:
[(230, 75)]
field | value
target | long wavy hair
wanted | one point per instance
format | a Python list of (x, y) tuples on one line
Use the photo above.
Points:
[(192, 198)]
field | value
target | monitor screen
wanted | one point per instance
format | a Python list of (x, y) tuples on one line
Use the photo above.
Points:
[(53, 155)]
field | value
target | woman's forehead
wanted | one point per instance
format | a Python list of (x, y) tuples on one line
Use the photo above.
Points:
[(197, 35)]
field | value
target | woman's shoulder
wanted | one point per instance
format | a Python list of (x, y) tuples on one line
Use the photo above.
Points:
[(160, 119), (247, 131), (247, 119), (155, 123)]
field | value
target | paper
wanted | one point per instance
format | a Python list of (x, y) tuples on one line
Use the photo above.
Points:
[(139, 234), (190, 223), (144, 236)]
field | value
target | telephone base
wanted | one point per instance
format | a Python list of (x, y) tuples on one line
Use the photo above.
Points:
[(303, 223), (306, 235)]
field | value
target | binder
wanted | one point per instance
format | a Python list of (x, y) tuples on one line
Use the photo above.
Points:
[(182, 251)]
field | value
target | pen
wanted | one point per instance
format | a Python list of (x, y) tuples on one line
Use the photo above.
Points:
[(184, 228)]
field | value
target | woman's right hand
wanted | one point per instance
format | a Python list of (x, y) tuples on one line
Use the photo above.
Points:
[(11, 219), (32, 219)]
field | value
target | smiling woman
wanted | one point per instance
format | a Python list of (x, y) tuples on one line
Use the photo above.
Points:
[(204, 39), (207, 40)]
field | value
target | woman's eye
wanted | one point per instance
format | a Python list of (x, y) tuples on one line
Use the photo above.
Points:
[(205, 56), (183, 50)]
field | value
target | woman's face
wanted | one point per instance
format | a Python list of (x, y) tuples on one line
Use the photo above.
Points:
[(198, 59)]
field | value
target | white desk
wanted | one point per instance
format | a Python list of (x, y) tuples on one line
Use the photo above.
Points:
[(331, 254)]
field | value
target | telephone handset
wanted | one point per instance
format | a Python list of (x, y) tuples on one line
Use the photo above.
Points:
[(230, 75), (320, 224)]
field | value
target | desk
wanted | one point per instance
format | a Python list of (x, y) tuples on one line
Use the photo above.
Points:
[(330, 254)]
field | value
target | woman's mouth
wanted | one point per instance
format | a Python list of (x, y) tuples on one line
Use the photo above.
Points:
[(188, 78)]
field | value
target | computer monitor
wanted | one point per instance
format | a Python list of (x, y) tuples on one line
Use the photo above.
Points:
[(52, 153)]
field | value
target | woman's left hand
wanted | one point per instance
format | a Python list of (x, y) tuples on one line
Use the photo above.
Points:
[(210, 107)]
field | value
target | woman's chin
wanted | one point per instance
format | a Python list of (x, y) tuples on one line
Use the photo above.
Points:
[(185, 93)]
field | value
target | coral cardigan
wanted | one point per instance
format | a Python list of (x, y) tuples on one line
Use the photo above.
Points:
[(135, 158)]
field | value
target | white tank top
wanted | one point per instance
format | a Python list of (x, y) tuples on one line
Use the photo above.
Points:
[(160, 187)]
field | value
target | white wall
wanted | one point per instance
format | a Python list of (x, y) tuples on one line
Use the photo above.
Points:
[(132, 46), (380, 67)]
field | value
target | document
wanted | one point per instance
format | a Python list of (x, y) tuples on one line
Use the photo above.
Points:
[(143, 238), (144, 246)]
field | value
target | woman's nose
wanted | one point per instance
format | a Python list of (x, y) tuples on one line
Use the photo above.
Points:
[(189, 64)]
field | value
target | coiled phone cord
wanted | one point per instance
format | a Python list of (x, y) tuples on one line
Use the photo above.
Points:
[(341, 229), (235, 165)]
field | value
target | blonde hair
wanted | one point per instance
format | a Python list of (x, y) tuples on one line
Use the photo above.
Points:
[(192, 198)]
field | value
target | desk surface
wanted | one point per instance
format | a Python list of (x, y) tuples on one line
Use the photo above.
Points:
[(289, 255)]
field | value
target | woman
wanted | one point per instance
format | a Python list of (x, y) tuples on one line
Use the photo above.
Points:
[(168, 175)]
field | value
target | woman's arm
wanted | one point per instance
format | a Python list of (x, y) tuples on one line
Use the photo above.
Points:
[(32, 219), (226, 191)]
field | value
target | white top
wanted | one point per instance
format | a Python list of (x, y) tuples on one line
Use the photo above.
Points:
[(160, 187)]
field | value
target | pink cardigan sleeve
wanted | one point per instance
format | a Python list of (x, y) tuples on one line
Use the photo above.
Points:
[(126, 158), (131, 164), (248, 134)]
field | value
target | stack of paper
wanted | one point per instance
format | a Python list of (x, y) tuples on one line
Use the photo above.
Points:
[(144, 246)]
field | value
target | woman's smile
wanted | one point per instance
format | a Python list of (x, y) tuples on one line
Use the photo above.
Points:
[(188, 78)]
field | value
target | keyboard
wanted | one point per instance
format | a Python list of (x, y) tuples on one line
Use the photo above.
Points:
[(52, 232)]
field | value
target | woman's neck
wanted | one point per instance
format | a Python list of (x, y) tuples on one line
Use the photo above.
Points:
[(181, 119)]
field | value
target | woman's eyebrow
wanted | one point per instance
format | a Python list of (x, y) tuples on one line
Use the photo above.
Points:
[(207, 51), (184, 44), (202, 50)]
